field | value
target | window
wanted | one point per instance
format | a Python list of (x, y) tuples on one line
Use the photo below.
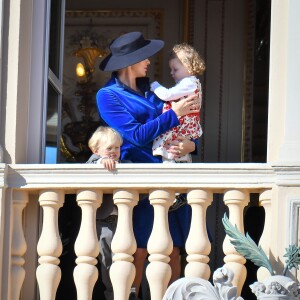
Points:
[(55, 78)]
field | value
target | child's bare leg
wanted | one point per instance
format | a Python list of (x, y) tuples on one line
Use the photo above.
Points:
[(175, 264), (139, 262)]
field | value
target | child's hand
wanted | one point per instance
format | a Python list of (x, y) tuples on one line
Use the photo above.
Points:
[(108, 163), (180, 147)]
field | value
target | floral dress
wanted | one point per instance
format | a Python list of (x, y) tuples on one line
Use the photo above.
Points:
[(189, 124)]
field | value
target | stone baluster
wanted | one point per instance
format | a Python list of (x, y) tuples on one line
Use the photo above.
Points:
[(87, 244), (122, 271), (236, 201), (198, 245), (49, 247), (160, 244), (19, 247), (265, 239)]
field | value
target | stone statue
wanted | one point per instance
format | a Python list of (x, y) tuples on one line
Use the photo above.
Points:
[(190, 288), (276, 286)]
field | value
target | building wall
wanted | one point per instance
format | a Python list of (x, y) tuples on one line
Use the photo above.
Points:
[(284, 140), (22, 107), (22, 79)]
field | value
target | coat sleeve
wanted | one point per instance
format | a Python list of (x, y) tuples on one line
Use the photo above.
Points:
[(118, 116)]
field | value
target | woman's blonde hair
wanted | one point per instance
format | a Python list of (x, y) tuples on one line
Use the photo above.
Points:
[(189, 57), (104, 136)]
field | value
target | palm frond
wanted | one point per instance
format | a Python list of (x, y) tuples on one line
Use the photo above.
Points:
[(246, 246)]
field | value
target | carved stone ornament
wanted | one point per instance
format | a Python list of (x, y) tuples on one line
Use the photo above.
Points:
[(190, 288), (275, 288)]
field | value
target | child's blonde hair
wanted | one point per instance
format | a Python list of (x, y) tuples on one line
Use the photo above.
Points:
[(104, 136), (189, 57)]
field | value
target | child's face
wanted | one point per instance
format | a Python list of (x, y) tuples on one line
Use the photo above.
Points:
[(178, 70), (111, 150)]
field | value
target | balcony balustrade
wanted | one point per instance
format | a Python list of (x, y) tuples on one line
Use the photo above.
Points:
[(26, 186)]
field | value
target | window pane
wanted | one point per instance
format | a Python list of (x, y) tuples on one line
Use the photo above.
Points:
[(52, 126), (55, 37)]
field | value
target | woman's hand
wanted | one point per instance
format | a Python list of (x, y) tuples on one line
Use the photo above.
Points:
[(180, 147), (188, 105)]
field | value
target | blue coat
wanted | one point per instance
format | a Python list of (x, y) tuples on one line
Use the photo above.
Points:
[(137, 118)]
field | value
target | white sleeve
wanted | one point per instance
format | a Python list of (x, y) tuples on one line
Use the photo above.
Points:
[(185, 87)]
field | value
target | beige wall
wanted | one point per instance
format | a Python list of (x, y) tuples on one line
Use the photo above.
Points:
[(284, 122), (22, 81)]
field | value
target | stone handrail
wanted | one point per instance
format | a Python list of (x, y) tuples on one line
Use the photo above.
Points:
[(49, 183), (142, 176)]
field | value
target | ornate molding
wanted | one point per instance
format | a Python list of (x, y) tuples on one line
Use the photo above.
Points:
[(188, 21), (276, 286), (3, 175), (248, 83), (198, 288)]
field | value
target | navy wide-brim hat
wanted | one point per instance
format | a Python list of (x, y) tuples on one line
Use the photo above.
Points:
[(129, 49)]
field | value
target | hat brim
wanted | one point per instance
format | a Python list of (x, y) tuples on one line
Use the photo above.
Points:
[(113, 63)]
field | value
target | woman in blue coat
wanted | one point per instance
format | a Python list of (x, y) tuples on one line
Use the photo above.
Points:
[(126, 104)]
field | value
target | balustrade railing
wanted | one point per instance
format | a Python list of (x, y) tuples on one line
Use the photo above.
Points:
[(48, 184)]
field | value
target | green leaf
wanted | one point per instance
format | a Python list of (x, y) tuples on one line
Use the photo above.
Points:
[(293, 258), (246, 246)]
